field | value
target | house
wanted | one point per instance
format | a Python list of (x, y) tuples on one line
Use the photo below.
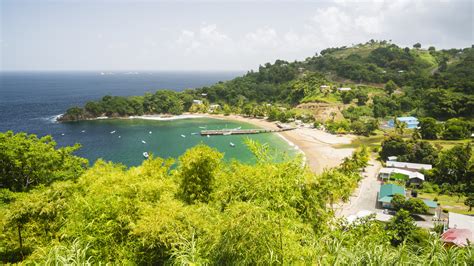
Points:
[(432, 205), (408, 166), (457, 237), (460, 230), (410, 121), (411, 176), (198, 102), (214, 107), (387, 192), (392, 158), (203, 94), (344, 89)]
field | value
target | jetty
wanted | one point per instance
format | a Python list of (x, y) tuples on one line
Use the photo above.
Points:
[(226, 132)]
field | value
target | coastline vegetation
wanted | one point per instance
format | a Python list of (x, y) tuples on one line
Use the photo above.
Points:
[(385, 80), (207, 211)]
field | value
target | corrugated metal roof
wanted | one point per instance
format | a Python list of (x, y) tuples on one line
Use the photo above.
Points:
[(417, 166), (430, 203), (388, 190)]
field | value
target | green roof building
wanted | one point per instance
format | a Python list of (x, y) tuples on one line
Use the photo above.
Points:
[(387, 192)]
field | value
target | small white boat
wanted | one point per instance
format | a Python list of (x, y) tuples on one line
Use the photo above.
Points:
[(232, 144), (149, 132), (83, 131), (203, 127), (145, 154), (112, 132), (144, 142), (194, 133), (208, 136), (62, 134), (183, 136), (237, 128), (120, 136)]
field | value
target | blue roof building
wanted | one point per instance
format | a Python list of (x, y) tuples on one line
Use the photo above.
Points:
[(386, 193), (412, 122)]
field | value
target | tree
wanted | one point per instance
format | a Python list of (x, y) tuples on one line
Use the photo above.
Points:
[(27, 161), (469, 201), (398, 201), (417, 45), (429, 128), (456, 129), (347, 96), (454, 165), (196, 172), (393, 146), (362, 98), (390, 87), (415, 205), (401, 227), (399, 126)]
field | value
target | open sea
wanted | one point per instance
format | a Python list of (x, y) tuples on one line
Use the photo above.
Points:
[(30, 101)]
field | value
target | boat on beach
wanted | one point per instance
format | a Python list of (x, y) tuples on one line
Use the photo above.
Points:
[(146, 155), (227, 133)]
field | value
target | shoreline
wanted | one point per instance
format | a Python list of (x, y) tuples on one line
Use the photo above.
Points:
[(316, 146)]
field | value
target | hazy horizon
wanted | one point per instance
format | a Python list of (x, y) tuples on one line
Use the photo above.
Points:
[(229, 36)]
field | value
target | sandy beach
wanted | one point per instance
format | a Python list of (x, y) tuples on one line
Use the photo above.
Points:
[(318, 146)]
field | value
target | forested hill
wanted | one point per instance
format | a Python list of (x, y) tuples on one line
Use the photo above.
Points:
[(437, 83)]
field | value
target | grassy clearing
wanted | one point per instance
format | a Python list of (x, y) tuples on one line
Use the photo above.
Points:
[(448, 144), (372, 141), (450, 203)]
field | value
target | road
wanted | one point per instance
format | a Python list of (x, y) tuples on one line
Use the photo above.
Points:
[(365, 196)]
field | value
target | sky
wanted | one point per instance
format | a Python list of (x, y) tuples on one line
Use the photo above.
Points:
[(222, 35)]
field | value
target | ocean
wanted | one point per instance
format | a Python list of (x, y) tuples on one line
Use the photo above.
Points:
[(30, 101)]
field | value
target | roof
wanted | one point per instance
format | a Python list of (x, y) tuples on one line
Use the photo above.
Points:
[(407, 118), (386, 199), (458, 237), (430, 203), (460, 221), (410, 174), (388, 190), (392, 158), (344, 89), (417, 166)]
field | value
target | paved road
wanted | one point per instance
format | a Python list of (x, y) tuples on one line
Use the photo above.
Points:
[(365, 196)]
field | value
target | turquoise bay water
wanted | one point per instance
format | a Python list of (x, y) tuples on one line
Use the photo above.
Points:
[(125, 145), (30, 100)]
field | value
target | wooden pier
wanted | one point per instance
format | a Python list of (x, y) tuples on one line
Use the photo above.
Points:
[(226, 132)]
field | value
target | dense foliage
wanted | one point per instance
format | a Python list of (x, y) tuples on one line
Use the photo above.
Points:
[(436, 83), (27, 161), (267, 213)]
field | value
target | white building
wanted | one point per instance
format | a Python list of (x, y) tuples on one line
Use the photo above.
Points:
[(344, 89), (409, 166), (198, 102), (413, 177)]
